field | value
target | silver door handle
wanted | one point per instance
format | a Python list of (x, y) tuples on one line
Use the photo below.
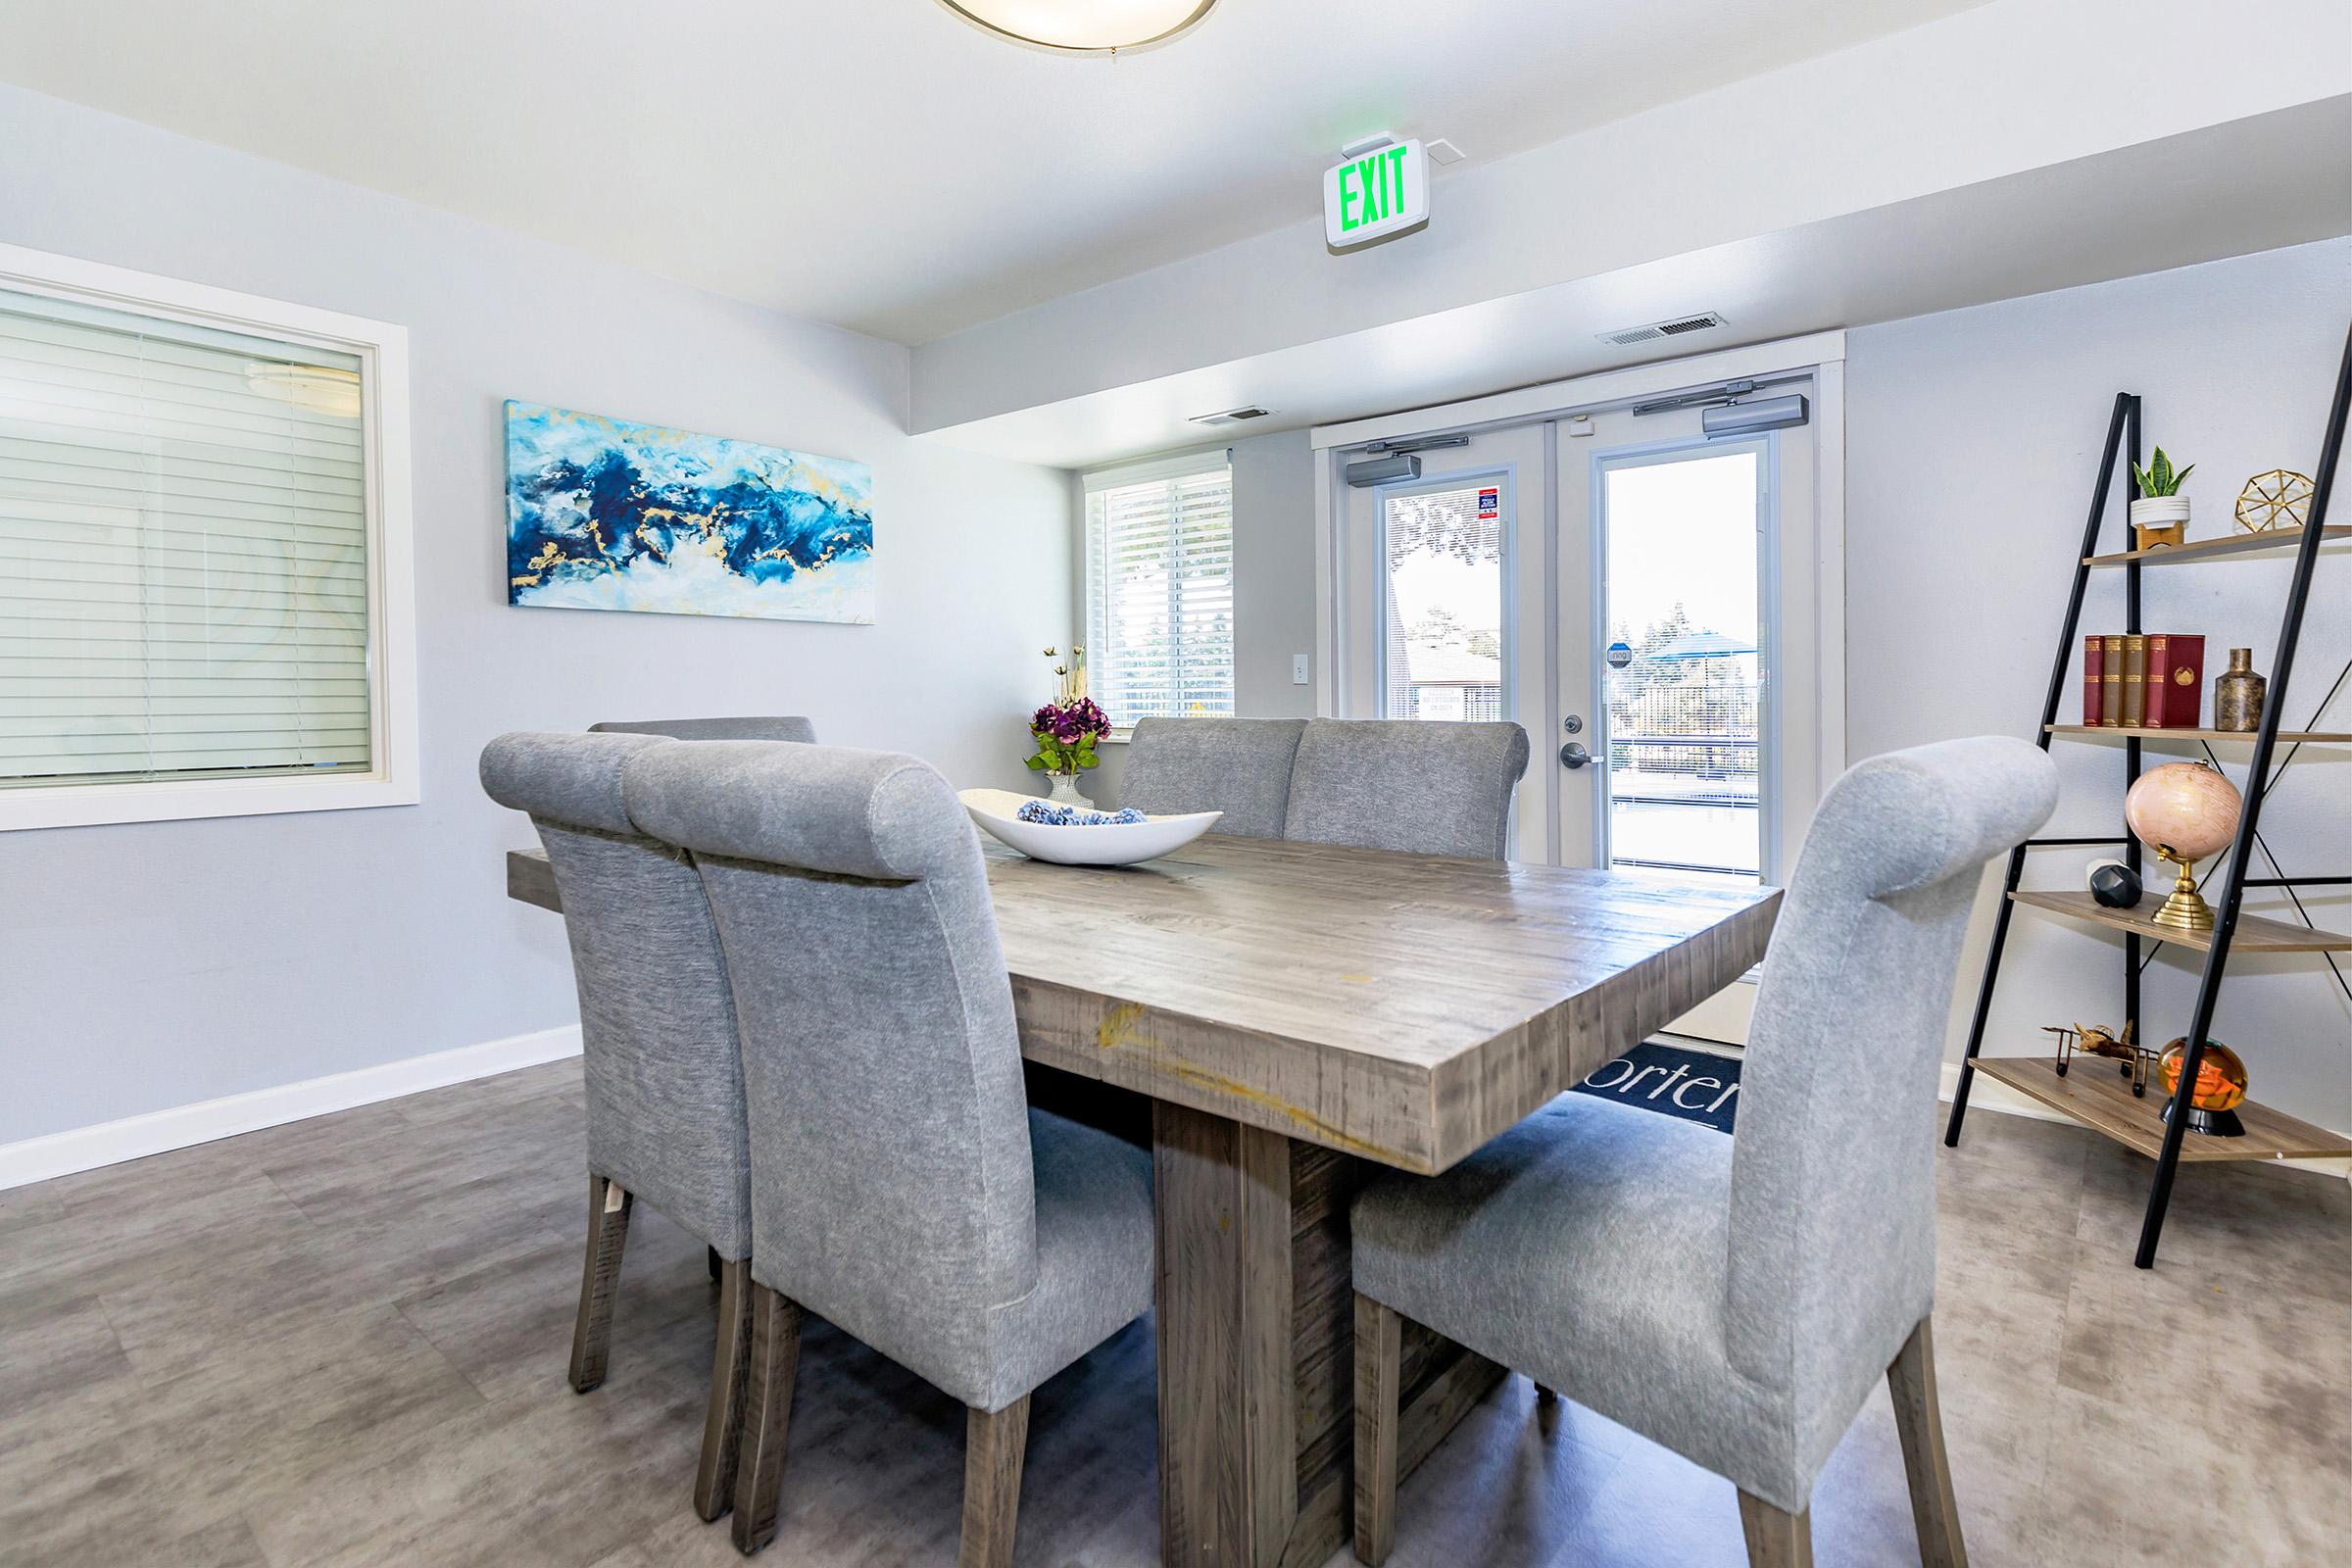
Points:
[(1574, 754)]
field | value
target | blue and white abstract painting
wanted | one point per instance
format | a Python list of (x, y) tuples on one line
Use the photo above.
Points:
[(606, 514)]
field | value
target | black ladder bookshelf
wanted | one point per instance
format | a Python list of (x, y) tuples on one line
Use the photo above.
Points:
[(2093, 1099)]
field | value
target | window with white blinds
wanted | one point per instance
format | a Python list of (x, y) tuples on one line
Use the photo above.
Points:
[(1159, 589), (184, 573)]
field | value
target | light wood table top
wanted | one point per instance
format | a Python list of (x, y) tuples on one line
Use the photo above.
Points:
[(1403, 1009)]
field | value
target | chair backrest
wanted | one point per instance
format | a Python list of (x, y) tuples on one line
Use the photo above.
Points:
[(891, 1191), (1832, 1225), (1240, 767), (663, 1072), (1421, 787), (713, 729)]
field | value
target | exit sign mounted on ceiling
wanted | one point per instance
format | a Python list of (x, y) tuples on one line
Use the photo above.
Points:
[(1375, 193)]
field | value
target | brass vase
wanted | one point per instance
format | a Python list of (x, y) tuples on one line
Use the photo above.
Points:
[(2237, 694)]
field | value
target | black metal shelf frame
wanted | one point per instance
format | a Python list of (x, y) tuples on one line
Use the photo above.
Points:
[(2122, 440)]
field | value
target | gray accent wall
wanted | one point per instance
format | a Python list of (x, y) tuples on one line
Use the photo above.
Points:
[(1972, 440), (154, 965)]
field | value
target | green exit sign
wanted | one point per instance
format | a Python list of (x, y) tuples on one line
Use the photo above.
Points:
[(1374, 193)]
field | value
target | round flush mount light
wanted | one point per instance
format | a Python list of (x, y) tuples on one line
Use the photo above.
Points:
[(1083, 26)]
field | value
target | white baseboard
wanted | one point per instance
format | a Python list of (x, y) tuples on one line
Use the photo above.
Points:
[(109, 1143), (1987, 1093)]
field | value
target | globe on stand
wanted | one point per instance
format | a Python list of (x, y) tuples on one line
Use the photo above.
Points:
[(2184, 811), (2219, 1089)]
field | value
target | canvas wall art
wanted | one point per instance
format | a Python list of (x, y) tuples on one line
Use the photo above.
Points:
[(606, 514)]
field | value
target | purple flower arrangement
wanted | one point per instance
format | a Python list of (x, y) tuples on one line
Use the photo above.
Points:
[(1065, 733)]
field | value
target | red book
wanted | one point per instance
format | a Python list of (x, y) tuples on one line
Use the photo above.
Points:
[(2176, 682), (2093, 693)]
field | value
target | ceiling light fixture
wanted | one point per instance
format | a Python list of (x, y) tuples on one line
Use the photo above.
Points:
[(1083, 26)]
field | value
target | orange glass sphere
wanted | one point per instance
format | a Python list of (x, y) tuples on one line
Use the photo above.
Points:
[(2187, 807), (2221, 1077)]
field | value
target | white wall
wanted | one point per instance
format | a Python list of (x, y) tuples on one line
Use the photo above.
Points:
[(155, 966), (1972, 440)]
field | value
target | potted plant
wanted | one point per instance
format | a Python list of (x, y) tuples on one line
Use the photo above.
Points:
[(1065, 731), (2160, 516)]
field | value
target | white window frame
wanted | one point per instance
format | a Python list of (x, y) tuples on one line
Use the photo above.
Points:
[(383, 348), (1146, 471)]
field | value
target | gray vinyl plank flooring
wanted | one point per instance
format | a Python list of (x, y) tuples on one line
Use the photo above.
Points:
[(342, 1342)]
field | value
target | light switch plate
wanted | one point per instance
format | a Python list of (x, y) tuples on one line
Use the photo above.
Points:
[(1298, 675)]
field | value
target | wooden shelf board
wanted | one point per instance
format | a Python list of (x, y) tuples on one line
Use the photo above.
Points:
[(2254, 933), (2244, 544), (2097, 1095), (2289, 737)]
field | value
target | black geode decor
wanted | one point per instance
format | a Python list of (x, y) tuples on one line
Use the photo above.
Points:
[(2115, 884)]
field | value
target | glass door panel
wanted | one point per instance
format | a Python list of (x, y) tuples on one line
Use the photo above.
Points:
[(1442, 572), (1681, 576)]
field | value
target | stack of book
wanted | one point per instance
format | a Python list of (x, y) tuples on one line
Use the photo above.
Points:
[(2143, 680)]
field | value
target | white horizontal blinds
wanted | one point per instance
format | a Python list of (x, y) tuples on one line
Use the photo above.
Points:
[(183, 537), (1159, 593)]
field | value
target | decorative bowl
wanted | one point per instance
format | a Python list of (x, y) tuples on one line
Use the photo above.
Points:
[(996, 813)]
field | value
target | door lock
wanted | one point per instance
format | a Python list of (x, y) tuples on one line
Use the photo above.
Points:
[(1574, 754), (1574, 723)]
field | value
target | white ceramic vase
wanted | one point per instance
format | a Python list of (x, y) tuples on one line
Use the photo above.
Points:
[(1065, 792)]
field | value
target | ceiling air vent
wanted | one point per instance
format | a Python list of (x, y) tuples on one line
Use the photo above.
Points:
[(1249, 411), (1656, 330)]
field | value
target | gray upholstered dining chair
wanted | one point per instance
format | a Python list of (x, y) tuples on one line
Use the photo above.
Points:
[(901, 1187), (663, 1068), (1418, 786), (1240, 766), (712, 729), (1733, 1298)]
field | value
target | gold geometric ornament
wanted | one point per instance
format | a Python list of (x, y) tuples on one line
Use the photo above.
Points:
[(2278, 499)]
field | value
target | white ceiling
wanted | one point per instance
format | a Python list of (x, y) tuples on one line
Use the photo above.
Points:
[(880, 162)]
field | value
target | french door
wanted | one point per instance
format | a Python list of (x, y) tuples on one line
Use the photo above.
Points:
[(1643, 601), (1667, 561)]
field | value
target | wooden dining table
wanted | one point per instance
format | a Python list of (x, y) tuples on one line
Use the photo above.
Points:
[(1300, 1017)]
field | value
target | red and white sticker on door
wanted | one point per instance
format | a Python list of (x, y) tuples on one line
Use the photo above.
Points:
[(1490, 505)]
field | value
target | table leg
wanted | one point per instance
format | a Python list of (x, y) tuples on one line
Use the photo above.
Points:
[(1256, 1348), (1228, 1471)]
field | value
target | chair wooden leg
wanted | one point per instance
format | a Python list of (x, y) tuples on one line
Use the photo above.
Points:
[(1379, 1357), (1776, 1540), (995, 1443), (1911, 1378), (730, 1369), (600, 1280), (766, 1414)]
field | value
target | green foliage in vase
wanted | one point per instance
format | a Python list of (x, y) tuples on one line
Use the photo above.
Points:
[(2159, 477)]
